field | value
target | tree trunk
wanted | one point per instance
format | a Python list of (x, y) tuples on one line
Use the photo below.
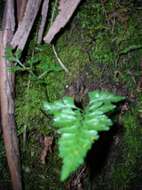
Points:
[(44, 12), (7, 98), (67, 8), (21, 6), (24, 28)]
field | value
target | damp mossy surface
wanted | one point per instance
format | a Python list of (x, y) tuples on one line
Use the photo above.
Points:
[(101, 47)]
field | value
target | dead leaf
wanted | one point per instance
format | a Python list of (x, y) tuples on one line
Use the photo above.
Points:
[(48, 142)]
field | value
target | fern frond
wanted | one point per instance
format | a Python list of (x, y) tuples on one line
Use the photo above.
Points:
[(80, 130)]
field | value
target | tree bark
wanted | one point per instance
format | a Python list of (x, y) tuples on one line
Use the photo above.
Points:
[(24, 28), (21, 6), (67, 9), (44, 13), (7, 99)]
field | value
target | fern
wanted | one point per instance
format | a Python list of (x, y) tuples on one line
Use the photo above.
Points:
[(79, 129), (37, 63)]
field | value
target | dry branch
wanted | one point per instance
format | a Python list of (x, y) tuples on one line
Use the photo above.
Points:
[(20, 37), (7, 99), (44, 13), (67, 8), (21, 6)]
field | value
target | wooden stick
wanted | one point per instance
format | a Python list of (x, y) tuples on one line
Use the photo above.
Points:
[(67, 9), (44, 13), (21, 6), (24, 28), (7, 99)]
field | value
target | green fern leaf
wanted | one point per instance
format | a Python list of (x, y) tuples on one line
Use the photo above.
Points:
[(79, 130)]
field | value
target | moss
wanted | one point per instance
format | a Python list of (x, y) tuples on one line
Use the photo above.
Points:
[(111, 28), (28, 105), (101, 46), (30, 94), (123, 170), (37, 175), (127, 171), (75, 59)]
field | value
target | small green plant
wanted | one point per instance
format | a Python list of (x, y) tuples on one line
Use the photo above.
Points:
[(79, 128), (34, 72), (38, 66)]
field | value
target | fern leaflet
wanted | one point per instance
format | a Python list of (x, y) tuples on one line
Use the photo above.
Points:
[(80, 129)]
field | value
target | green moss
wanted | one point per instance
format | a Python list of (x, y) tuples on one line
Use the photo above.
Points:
[(28, 104), (30, 94), (110, 29), (127, 170), (74, 58), (37, 175), (106, 45), (123, 168)]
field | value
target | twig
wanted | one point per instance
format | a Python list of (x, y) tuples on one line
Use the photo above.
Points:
[(53, 12), (44, 13), (59, 60), (24, 28), (53, 47), (40, 76)]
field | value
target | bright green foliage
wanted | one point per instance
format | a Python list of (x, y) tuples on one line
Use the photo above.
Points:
[(38, 65), (79, 129)]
